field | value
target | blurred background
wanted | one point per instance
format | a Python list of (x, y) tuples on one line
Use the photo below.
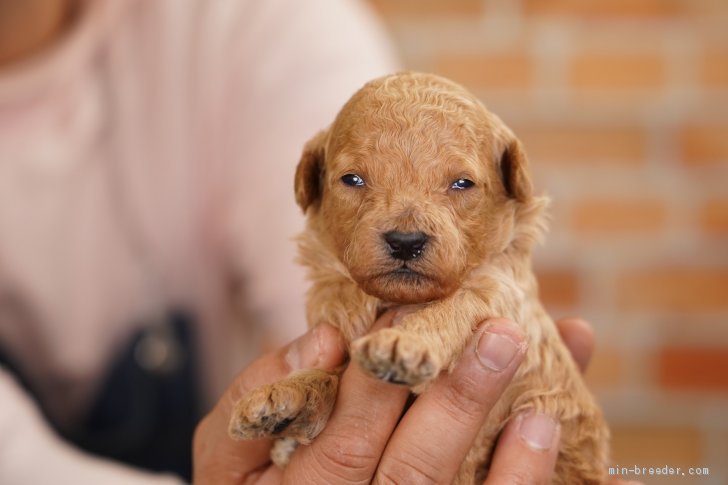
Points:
[(623, 109)]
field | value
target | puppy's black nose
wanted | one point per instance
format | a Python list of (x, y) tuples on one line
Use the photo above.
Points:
[(405, 245)]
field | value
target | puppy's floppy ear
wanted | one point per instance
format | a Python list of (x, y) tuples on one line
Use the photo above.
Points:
[(513, 168), (310, 171)]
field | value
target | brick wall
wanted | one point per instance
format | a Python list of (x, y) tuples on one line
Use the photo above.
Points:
[(623, 109)]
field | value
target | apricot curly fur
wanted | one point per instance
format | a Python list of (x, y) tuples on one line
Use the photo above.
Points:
[(408, 136)]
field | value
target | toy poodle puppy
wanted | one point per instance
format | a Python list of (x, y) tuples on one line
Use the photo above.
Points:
[(418, 195)]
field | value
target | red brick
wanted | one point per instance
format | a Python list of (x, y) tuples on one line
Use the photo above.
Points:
[(674, 290), (584, 145), (704, 144), (714, 67), (655, 446), (607, 217), (714, 216), (693, 368), (508, 71), (427, 8), (605, 8), (609, 71), (606, 369), (558, 288)]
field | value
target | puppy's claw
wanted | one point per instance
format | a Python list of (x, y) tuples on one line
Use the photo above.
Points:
[(297, 406), (282, 451), (266, 411), (395, 356)]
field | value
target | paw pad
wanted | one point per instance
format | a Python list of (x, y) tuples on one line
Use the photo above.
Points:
[(395, 356)]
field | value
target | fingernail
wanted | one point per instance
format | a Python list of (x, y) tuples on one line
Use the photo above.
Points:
[(305, 352), (537, 430), (496, 351)]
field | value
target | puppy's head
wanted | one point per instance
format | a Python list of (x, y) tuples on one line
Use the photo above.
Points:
[(413, 185)]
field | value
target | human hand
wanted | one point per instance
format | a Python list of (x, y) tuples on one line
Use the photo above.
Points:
[(364, 439), (217, 458)]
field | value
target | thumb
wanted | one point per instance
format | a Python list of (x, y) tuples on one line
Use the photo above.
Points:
[(217, 458)]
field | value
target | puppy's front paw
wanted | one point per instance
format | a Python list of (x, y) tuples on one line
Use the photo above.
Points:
[(296, 407), (396, 356)]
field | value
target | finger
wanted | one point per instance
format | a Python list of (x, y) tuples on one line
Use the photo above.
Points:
[(350, 446), (437, 432), (579, 338), (526, 451), (215, 452)]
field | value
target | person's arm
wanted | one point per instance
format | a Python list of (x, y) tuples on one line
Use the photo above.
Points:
[(30, 452)]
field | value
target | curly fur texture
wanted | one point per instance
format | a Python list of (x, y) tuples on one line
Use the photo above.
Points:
[(407, 137)]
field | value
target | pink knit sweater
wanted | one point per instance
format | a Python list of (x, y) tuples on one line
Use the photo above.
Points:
[(146, 161)]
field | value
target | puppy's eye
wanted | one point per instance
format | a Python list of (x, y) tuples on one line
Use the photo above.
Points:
[(462, 184), (353, 180)]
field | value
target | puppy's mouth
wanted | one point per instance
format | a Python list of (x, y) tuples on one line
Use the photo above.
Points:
[(405, 274), (403, 284)]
